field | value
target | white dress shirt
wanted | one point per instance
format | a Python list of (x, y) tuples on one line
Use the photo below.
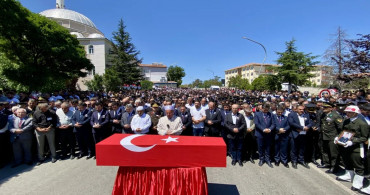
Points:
[(143, 122), (301, 122)]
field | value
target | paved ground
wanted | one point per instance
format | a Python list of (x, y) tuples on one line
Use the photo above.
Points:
[(84, 177)]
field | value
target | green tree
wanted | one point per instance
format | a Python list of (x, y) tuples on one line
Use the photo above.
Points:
[(125, 57), (111, 80), (358, 58), (96, 83), (295, 66), (260, 83), (41, 51), (212, 82), (239, 82), (175, 73), (197, 84), (146, 85)]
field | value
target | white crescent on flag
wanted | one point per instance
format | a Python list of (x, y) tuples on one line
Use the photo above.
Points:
[(126, 143)]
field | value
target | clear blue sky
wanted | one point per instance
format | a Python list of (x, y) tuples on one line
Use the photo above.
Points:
[(204, 36)]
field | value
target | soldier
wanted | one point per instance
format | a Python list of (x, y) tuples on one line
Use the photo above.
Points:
[(352, 150), (313, 135), (331, 125)]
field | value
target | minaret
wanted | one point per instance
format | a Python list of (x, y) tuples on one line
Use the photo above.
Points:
[(60, 4)]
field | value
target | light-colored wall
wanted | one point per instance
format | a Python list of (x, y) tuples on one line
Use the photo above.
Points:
[(154, 73)]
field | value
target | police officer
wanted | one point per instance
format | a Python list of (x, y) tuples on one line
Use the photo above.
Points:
[(331, 125), (352, 147)]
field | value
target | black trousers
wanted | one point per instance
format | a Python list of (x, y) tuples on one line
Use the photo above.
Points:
[(313, 149), (67, 141), (85, 141), (352, 160), (5, 148), (249, 146), (100, 134)]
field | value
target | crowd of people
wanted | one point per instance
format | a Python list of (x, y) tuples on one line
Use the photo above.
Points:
[(274, 127)]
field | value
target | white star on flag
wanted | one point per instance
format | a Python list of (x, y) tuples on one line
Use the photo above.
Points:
[(170, 139)]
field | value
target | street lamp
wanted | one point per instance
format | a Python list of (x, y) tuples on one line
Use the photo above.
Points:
[(264, 59), (213, 73)]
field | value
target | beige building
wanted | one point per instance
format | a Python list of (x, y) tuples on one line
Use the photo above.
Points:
[(248, 71), (323, 75), (251, 71)]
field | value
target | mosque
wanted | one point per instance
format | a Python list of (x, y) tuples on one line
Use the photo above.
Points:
[(97, 47)]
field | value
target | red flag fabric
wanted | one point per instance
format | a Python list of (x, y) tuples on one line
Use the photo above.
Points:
[(161, 181), (137, 150)]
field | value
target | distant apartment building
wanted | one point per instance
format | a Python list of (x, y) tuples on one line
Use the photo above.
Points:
[(248, 71), (155, 72), (251, 71), (323, 75)]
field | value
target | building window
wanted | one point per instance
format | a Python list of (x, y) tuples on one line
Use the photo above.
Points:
[(252, 67), (247, 74), (91, 49), (318, 80), (252, 74)]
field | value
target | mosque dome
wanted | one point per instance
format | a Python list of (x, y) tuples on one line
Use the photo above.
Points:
[(69, 15), (72, 20)]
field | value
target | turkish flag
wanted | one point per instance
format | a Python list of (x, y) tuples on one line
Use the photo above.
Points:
[(137, 150)]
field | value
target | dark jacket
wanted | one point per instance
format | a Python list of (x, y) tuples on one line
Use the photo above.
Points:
[(262, 122), (281, 122), (103, 121), (240, 124), (215, 128), (295, 125), (83, 119)]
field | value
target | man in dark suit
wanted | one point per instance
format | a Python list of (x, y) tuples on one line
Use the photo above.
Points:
[(185, 116), (99, 122), (126, 119), (81, 123), (224, 112), (21, 138), (281, 137), (212, 127), (115, 116), (300, 123), (235, 126), (264, 125)]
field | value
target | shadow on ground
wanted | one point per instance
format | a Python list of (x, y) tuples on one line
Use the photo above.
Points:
[(222, 189), (7, 172)]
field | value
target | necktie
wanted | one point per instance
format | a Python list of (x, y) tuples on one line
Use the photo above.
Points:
[(20, 123)]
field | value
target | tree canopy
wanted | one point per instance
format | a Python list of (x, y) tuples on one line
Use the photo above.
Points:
[(358, 58), (43, 55), (295, 66), (125, 60), (239, 82), (175, 73)]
